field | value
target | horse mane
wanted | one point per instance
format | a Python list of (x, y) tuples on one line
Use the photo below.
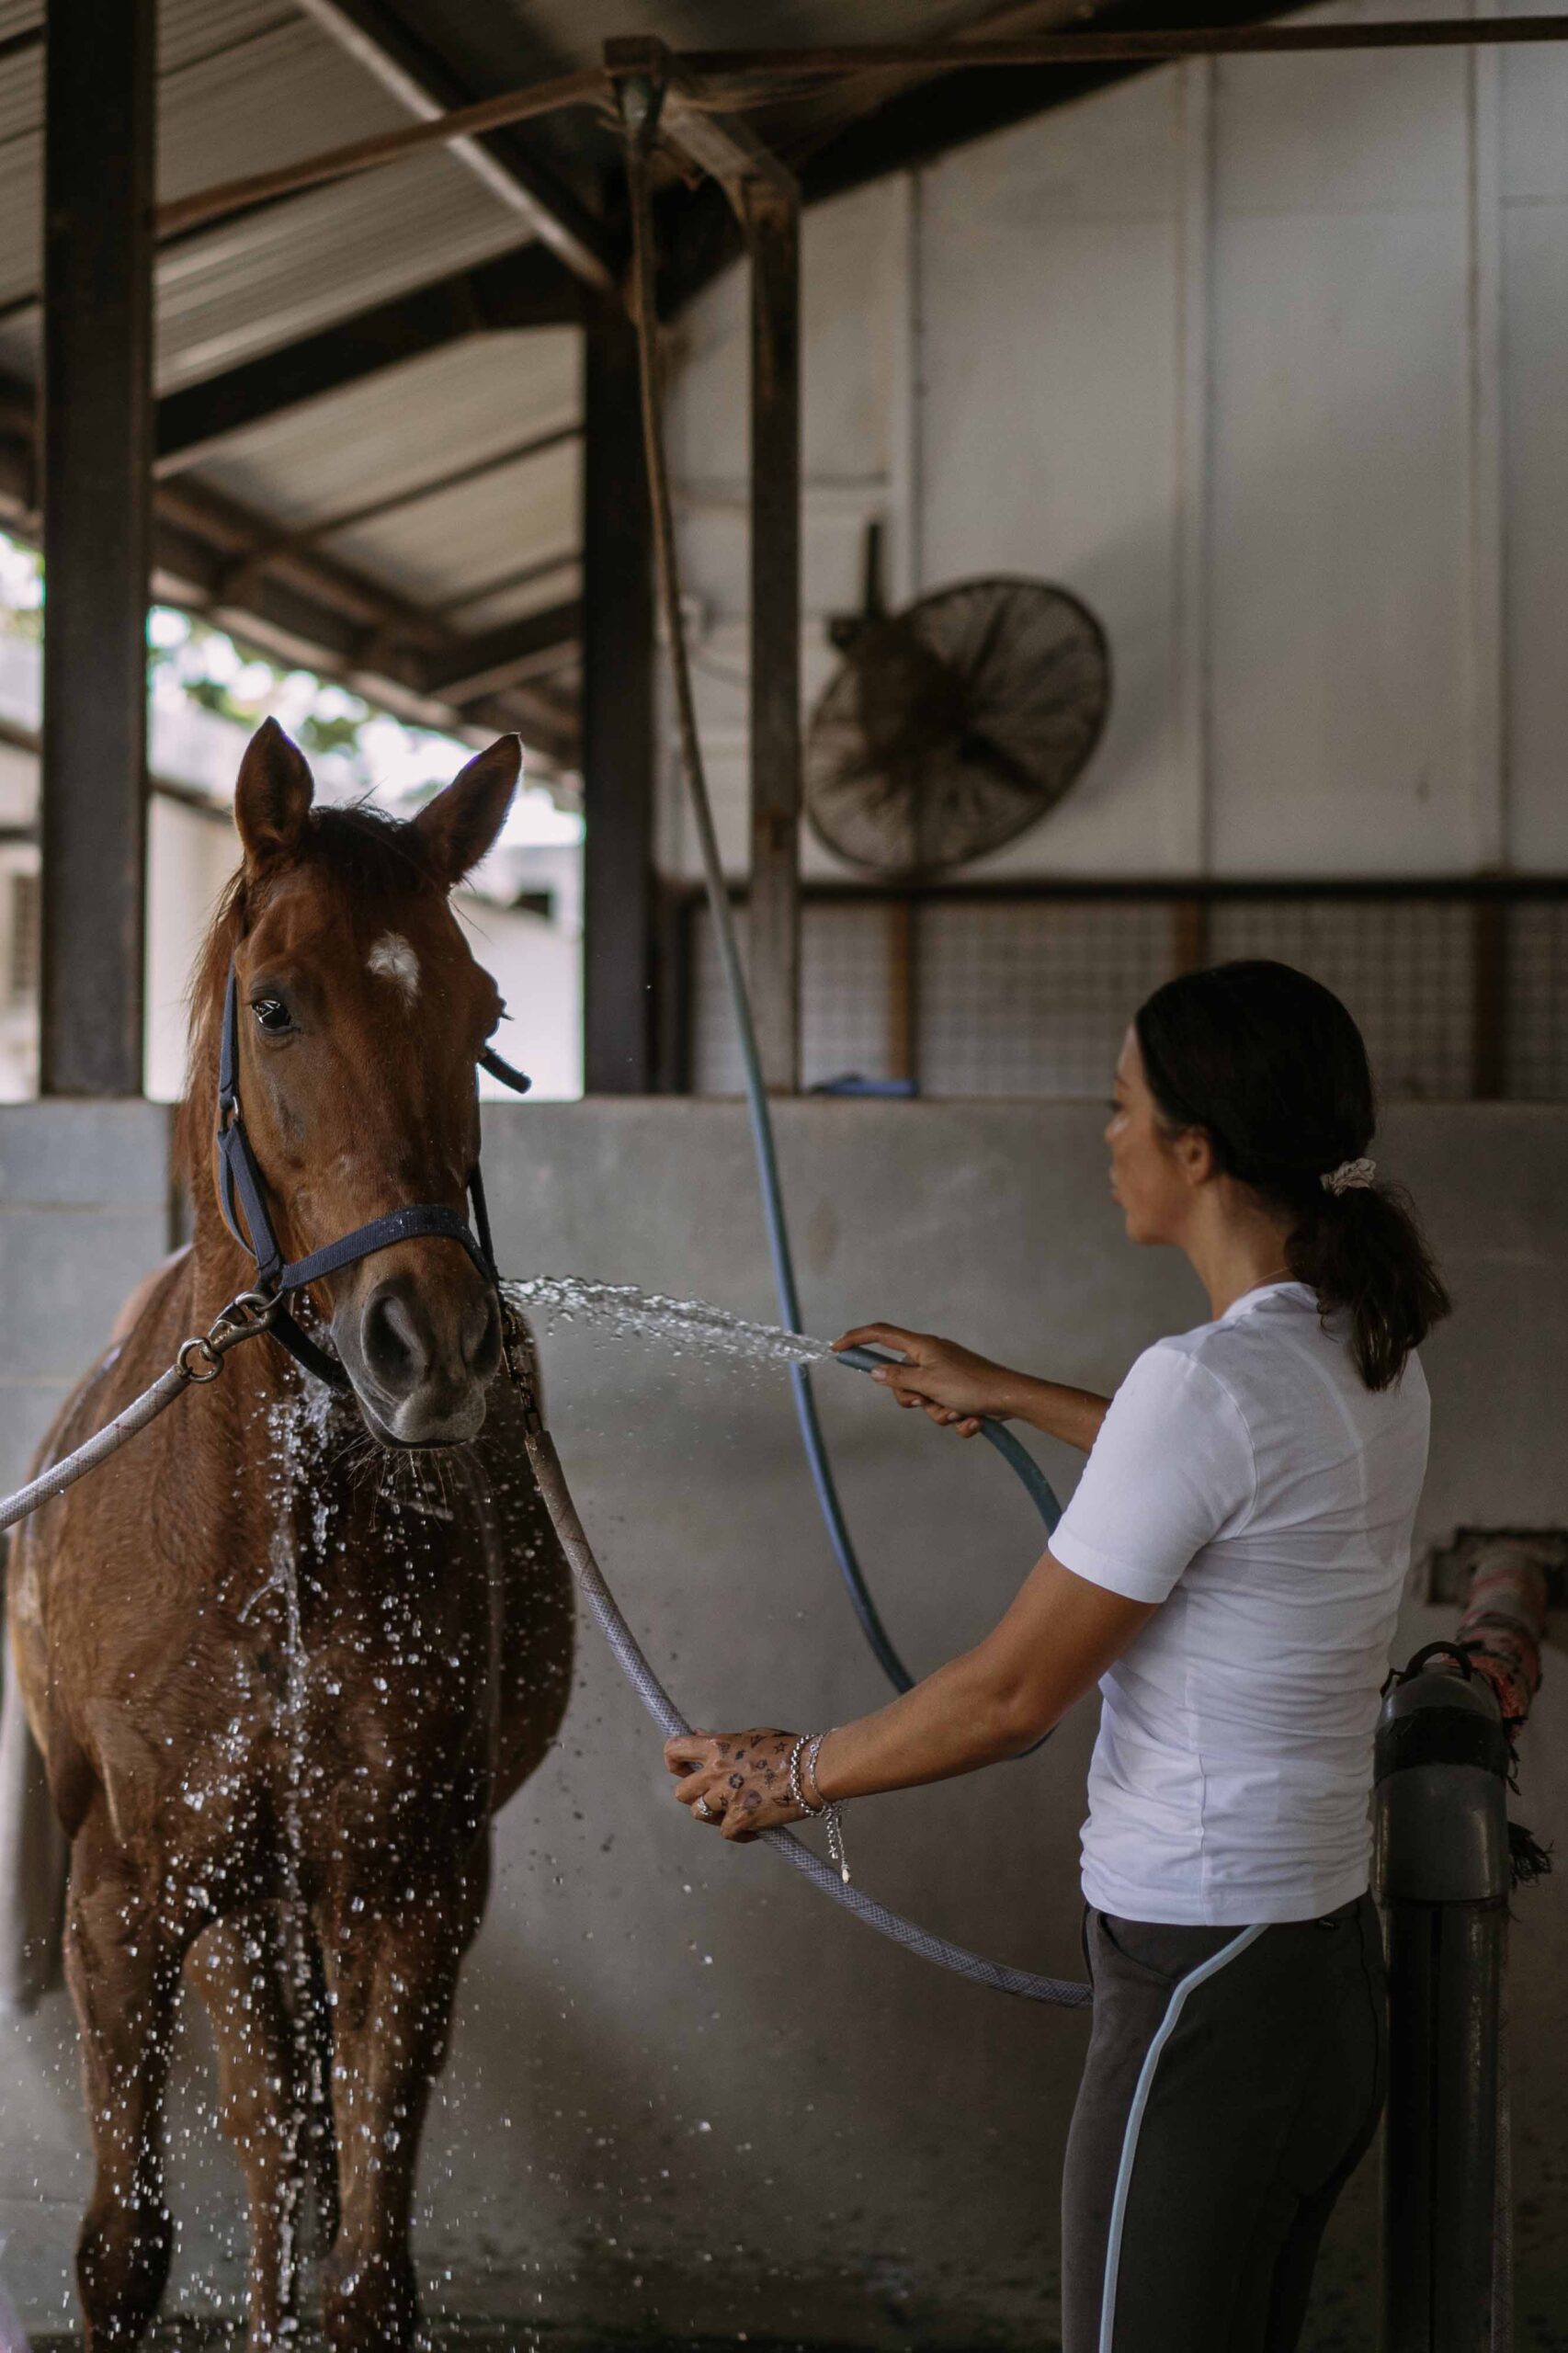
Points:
[(368, 860)]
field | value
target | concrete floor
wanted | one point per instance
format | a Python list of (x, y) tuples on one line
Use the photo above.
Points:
[(476, 2337)]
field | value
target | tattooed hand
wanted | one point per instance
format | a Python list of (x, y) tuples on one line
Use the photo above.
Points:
[(737, 1782)]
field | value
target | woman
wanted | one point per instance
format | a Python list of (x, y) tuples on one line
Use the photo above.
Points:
[(1229, 1571)]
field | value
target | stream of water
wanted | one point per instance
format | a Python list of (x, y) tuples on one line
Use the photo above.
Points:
[(554, 1301)]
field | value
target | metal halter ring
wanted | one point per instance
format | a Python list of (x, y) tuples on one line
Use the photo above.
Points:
[(251, 1311), (202, 1347)]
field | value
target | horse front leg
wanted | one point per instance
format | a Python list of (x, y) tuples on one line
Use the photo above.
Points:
[(392, 1975), (123, 1964), (256, 1973)]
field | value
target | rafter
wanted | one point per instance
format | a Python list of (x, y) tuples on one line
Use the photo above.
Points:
[(421, 76), (508, 657), (526, 288), (307, 607)]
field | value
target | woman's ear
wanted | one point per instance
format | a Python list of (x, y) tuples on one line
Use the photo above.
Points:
[(272, 797), (463, 820), (1195, 1156)]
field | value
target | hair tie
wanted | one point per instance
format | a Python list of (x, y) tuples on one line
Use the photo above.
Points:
[(1350, 1177)]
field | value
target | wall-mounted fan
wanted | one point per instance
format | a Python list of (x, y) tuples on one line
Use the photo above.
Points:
[(954, 726)]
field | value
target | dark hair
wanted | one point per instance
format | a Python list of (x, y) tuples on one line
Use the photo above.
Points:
[(1273, 1070)]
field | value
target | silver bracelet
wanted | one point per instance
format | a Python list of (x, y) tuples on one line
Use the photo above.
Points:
[(808, 1747), (796, 1791)]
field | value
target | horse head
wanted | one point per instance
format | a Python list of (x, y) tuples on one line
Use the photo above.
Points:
[(360, 1012)]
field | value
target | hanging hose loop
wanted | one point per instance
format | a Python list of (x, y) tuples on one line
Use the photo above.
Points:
[(640, 97)]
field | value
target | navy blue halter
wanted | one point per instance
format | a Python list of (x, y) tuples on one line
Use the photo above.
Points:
[(242, 1194)]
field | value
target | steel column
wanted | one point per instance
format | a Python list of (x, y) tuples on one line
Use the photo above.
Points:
[(99, 187), (1442, 1871), (617, 719), (772, 222)]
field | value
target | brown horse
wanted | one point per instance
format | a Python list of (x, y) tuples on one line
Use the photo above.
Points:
[(281, 1660)]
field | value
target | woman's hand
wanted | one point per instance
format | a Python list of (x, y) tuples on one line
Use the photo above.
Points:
[(954, 1386), (738, 1782)]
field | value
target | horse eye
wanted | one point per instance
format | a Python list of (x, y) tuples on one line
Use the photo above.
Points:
[(272, 1014)]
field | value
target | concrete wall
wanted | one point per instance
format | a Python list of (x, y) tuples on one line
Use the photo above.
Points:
[(685, 2094), (1263, 357)]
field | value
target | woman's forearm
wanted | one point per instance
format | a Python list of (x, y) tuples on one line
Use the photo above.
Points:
[(1072, 1415), (954, 1722)]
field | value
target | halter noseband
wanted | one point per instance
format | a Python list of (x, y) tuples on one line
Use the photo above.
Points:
[(242, 1194)]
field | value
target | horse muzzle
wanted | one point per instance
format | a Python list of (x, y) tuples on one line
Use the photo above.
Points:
[(421, 1358)]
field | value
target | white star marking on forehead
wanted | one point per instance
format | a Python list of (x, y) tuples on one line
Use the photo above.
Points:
[(394, 959)]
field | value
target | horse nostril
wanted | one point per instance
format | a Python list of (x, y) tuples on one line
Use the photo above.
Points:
[(396, 1338), (480, 1337)]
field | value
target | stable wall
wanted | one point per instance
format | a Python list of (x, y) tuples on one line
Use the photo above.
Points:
[(685, 2094), (1265, 358)]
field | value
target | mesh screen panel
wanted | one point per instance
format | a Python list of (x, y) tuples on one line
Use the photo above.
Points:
[(1034, 998), (1536, 1061), (1402, 966), (846, 981), (1031, 995)]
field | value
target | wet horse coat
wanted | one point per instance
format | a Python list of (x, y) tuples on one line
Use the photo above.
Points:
[(286, 1655)]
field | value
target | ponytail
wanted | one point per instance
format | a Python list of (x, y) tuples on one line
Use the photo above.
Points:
[(1270, 1066)]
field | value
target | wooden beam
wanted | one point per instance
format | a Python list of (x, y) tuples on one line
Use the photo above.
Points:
[(375, 510), (215, 203), (719, 144), (477, 666), (422, 78), (305, 606), (619, 909), (98, 325), (772, 222), (741, 77), (527, 288)]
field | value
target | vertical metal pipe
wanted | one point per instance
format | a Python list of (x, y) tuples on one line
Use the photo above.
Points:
[(98, 427), (618, 915), (772, 222), (1441, 1870)]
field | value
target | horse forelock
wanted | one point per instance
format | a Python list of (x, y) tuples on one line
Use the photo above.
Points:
[(372, 864)]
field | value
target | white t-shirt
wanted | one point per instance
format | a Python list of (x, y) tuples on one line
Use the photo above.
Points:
[(1246, 1479)]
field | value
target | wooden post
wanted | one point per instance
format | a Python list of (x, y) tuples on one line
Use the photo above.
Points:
[(773, 232), (617, 719), (97, 415)]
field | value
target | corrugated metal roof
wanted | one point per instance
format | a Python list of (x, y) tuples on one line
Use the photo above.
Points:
[(485, 395), (279, 95), (549, 584), (271, 276), (488, 530), (247, 85), (191, 29), (249, 285)]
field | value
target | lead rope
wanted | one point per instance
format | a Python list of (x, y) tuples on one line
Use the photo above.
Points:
[(197, 1361)]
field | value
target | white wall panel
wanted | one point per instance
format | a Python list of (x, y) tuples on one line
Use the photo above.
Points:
[(1535, 316), (1340, 455), (1049, 439), (1269, 360)]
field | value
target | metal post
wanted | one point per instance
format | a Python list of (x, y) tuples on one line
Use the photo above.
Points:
[(772, 219), (1441, 1870), (97, 264), (617, 719)]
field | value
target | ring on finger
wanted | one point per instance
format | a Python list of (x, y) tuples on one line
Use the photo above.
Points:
[(704, 1812)]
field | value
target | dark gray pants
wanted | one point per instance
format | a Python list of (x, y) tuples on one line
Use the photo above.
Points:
[(1233, 2082)]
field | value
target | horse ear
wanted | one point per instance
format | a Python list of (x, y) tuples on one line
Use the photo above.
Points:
[(272, 799), (463, 820)]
